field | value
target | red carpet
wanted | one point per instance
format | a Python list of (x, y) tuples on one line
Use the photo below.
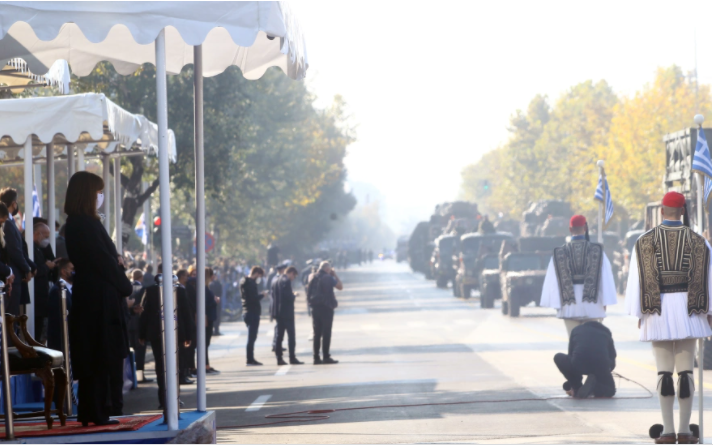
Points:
[(34, 429)]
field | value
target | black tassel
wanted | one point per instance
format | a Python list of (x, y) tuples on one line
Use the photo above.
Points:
[(686, 221), (684, 387), (655, 431), (666, 384), (586, 231)]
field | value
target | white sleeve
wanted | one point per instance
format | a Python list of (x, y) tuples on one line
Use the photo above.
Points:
[(633, 302), (607, 287), (550, 288)]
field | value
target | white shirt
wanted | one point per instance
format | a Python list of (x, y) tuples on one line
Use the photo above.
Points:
[(606, 295)]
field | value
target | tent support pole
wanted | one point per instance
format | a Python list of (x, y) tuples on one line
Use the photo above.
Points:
[(81, 165), (71, 164), (117, 205), (106, 208), (200, 222), (51, 216), (29, 232), (167, 257)]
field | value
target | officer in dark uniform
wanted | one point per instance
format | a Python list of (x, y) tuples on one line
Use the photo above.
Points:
[(251, 310), (283, 310)]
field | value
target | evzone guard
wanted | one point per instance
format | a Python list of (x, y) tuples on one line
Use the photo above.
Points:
[(669, 291), (579, 281)]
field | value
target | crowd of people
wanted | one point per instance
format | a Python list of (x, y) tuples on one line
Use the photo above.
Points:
[(114, 307)]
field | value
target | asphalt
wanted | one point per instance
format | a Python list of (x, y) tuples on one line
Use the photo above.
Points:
[(477, 376)]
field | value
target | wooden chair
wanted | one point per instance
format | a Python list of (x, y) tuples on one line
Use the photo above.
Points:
[(31, 356)]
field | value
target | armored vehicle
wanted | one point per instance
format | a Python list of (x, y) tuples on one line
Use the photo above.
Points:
[(442, 259), (521, 278), (474, 246), (536, 217), (419, 249)]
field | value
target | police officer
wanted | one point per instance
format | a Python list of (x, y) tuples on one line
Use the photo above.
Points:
[(283, 310), (251, 310)]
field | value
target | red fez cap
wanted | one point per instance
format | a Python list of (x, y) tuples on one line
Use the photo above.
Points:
[(578, 221), (674, 199)]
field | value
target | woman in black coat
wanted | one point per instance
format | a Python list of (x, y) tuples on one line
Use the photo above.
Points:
[(98, 337)]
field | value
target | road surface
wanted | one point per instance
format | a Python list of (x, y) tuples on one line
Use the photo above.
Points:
[(401, 341)]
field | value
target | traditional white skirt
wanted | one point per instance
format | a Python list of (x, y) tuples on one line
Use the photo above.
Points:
[(582, 310), (674, 323)]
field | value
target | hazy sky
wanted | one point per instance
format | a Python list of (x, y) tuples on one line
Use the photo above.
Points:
[(431, 85)]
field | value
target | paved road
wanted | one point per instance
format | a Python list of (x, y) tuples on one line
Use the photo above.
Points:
[(402, 341)]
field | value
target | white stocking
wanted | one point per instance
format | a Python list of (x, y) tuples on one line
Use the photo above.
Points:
[(665, 362), (685, 353)]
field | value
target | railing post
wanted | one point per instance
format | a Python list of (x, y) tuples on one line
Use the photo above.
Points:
[(9, 426), (65, 347)]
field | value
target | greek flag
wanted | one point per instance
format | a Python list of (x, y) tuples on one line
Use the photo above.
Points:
[(608, 204), (140, 230), (702, 162), (36, 210)]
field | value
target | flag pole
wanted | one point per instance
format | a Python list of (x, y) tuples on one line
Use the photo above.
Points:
[(600, 223), (698, 119)]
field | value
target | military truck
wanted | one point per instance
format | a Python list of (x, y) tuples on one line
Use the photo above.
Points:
[(546, 218), (522, 272), (442, 259), (473, 247), (489, 280), (419, 249)]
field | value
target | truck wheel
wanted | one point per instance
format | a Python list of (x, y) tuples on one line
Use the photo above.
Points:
[(504, 307), (465, 292), (514, 309), (484, 300), (490, 299)]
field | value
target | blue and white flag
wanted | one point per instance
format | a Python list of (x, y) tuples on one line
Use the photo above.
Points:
[(36, 210), (140, 230), (702, 162), (603, 194)]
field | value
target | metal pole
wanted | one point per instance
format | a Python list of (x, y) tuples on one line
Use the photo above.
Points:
[(38, 186), (701, 342), (51, 215), (106, 208), (29, 230), (163, 342), (200, 223), (600, 224), (9, 427), (147, 223), (176, 345), (117, 205), (65, 347), (70, 161), (81, 165), (167, 257)]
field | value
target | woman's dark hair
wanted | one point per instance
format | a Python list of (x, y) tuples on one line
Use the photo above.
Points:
[(4, 212), (257, 269), (8, 196), (82, 192)]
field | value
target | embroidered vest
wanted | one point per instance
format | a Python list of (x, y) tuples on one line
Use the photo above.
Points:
[(578, 262), (673, 259)]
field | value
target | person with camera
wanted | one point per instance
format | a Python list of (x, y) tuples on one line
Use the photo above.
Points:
[(320, 294)]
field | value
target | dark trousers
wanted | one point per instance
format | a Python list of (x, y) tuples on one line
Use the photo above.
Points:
[(157, 348), (274, 340), (139, 349), (322, 318), (208, 336), (286, 324), (574, 369), (93, 392), (252, 321)]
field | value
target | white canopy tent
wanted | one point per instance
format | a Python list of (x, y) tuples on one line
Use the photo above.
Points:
[(43, 128), (251, 35), (16, 76)]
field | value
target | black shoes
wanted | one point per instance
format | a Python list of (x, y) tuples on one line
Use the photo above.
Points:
[(588, 388), (186, 381), (281, 362), (330, 361), (211, 371), (253, 363), (145, 380), (318, 361), (294, 361)]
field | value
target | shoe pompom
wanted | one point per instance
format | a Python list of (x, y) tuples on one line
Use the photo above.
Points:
[(655, 431), (695, 430)]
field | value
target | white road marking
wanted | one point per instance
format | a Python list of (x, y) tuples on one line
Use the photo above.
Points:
[(258, 403), (283, 370)]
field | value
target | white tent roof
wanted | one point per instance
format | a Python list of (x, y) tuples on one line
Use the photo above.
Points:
[(80, 118), (17, 74), (251, 35)]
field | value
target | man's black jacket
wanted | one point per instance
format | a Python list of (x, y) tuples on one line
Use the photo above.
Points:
[(251, 296), (150, 321), (284, 304), (592, 342)]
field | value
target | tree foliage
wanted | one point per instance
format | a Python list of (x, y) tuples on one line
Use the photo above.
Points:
[(552, 152)]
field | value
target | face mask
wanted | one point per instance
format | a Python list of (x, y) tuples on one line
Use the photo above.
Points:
[(44, 243), (258, 280), (100, 199)]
